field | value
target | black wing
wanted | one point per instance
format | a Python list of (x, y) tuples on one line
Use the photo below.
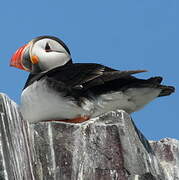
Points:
[(77, 79), (82, 75)]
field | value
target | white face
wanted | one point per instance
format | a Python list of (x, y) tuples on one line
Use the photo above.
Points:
[(50, 53)]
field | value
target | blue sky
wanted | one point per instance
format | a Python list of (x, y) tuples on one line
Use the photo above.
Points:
[(123, 34)]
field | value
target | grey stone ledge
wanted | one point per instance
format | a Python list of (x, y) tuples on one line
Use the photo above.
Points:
[(109, 147)]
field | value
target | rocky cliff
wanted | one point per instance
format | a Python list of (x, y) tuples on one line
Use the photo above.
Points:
[(109, 147), (167, 152)]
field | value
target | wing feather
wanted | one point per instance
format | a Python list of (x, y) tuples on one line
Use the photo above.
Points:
[(82, 75)]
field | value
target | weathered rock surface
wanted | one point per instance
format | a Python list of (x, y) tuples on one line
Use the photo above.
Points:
[(167, 151), (15, 156), (108, 147)]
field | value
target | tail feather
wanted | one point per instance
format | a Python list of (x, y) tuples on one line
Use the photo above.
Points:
[(166, 90), (157, 79)]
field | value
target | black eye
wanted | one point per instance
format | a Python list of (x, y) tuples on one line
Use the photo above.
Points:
[(47, 47)]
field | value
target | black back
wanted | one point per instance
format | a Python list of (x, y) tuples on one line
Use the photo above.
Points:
[(80, 79)]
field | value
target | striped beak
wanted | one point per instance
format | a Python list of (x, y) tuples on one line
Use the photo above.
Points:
[(22, 59), (18, 60)]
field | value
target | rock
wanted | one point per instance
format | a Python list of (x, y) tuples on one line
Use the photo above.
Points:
[(15, 155), (109, 147), (167, 151)]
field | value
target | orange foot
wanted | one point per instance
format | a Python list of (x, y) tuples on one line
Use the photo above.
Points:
[(75, 120)]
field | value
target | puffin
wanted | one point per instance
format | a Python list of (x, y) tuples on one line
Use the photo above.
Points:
[(59, 90)]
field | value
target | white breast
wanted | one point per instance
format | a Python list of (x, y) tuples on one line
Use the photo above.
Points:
[(39, 102)]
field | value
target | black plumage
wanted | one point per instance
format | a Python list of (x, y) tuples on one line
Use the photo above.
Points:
[(82, 79)]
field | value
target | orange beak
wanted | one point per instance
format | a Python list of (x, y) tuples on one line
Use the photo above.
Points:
[(16, 60)]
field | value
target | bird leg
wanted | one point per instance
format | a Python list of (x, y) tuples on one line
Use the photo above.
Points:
[(74, 120)]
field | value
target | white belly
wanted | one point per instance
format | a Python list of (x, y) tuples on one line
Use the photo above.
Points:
[(130, 101), (39, 103)]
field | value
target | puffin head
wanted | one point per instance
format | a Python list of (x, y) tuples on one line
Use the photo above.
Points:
[(41, 54)]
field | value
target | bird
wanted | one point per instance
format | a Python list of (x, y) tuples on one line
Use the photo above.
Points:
[(57, 89)]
